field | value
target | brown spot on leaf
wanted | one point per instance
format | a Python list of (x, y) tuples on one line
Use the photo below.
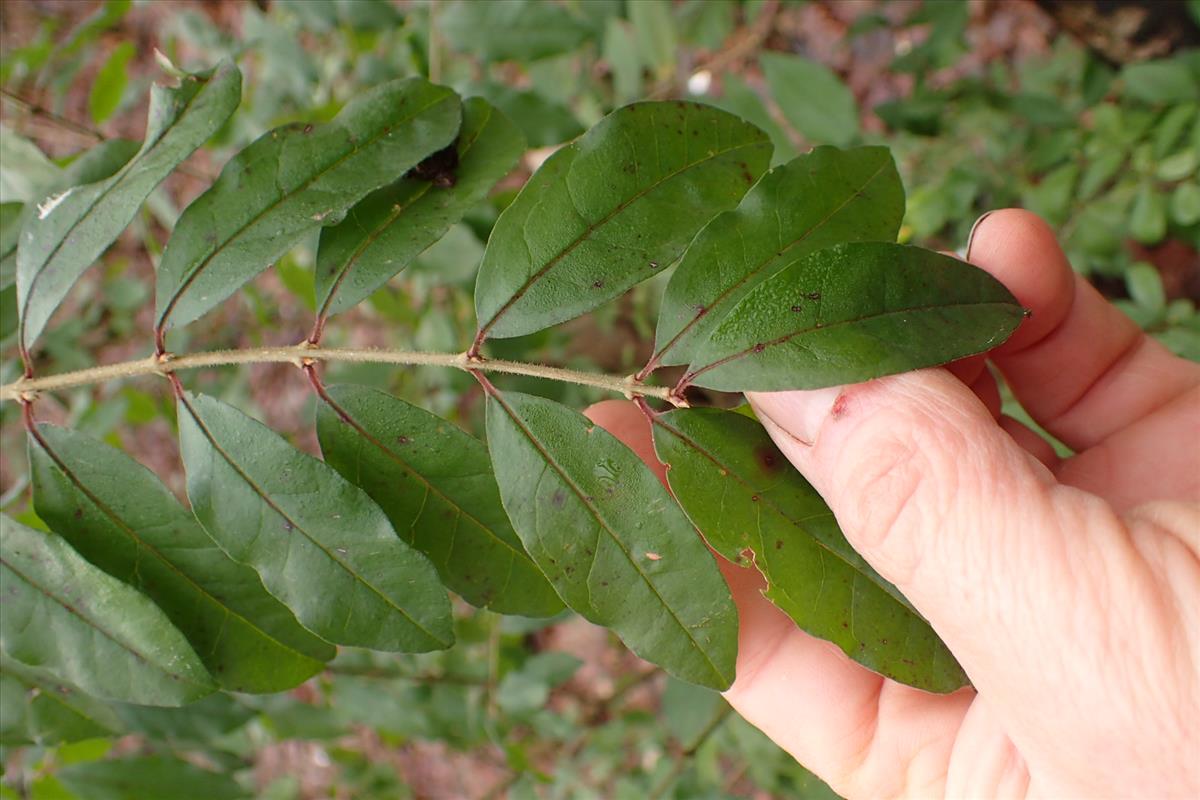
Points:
[(654, 556), (308, 128), (758, 348), (597, 284), (402, 440), (558, 499), (438, 168), (797, 308), (779, 544), (767, 457), (813, 295)]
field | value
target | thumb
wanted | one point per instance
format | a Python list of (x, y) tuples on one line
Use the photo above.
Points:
[(943, 503)]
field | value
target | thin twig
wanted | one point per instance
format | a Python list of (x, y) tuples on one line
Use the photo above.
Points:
[(302, 354)]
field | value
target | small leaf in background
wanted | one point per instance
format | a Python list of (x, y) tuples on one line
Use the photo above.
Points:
[(1148, 217), (738, 98), (742, 494), (24, 169), (1185, 203), (86, 627), (654, 33), (853, 312), (526, 689), (292, 180), (436, 485), (1145, 287), (543, 121), (1163, 81), (109, 86), (72, 229), (119, 516), (46, 711), (624, 61), (1178, 166), (500, 30), (147, 777), (1170, 128), (608, 536), (387, 230), (822, 198), (1052, 197), (812, 98), (320, 544), (612, 209)]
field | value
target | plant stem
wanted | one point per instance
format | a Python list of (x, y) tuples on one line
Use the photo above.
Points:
[(303, 354)]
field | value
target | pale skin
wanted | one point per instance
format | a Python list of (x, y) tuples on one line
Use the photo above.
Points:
[(1069, 590)]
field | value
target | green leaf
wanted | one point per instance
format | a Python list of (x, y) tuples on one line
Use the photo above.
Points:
[(72, 229), (64, 615), (386, 231), (109, 86), (612, 209), (742, 494), (1185, 203), (812, 98), (609, 537), (822, 198), (543, 121), (654, 31), (1163, 81), (1145, 287), (48, 711), (119, 516), (320, 544), (292, 180), (435, 483), (1178, 166), (739, 98), (1148, 218), (502, 30), (853, 312), (147, 777), (620, 51)]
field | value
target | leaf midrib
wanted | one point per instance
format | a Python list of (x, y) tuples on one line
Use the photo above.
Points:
[(373, 236), (591, 228), (96, 626), (267, 500), (132, 534), (200, 267), (762, 264), (578, 492), (761, 347), (353, 422)]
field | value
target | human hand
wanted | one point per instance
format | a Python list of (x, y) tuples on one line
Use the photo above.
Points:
[(1069, 590)]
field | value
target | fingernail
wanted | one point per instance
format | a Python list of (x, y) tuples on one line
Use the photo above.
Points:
[(798, 414), (971, 235)]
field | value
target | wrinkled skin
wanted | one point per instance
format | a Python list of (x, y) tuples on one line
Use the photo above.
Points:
[(1068, 589)]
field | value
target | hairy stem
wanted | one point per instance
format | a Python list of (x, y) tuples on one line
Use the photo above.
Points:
[(303, 354)]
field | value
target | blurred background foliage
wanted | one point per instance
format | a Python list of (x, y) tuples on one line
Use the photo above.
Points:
[(1087, 113)]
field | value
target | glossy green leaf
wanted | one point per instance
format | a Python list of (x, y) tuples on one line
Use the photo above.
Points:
[(320, 544), (612, 209), (386, 231), (825, 197), (609, 537), (743, 495), (73, 228), (86, 627), (292, 180), (109, 86), (812, 98), (37, 707), (147, 778), (435, 483), (853, 312), (119, 516), (500, 30)]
